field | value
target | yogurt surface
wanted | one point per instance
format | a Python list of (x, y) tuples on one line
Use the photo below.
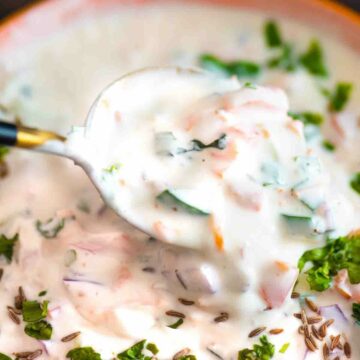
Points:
[(262, 190)]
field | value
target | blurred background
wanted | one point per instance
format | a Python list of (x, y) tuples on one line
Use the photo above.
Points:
[(8, 6)]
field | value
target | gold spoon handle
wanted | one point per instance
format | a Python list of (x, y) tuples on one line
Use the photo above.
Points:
[(25, 137)]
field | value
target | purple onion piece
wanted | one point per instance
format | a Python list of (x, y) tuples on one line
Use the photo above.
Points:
[(334, 312)]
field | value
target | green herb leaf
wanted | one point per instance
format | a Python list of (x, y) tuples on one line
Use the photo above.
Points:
[(263, 351), (286, 60), (339, 97), (240, 68), (3, 151), (172, 200), (307, 117), (34, 311), (272, 34), (83, 353), (113, 168), (176, 324), (328, 145), (355, 314), (355, 182), (50, 228), (40, 330), (7, 246), (4, 357), (134, 352), (188, 357), (284, 348), (42, 293), (152, 348), (327, 261), (313, 59), (249, 85)]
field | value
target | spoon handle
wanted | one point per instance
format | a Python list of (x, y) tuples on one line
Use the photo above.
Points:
[(29, 138)]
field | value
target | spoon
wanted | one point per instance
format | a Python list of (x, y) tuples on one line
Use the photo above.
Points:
[(168, 89)]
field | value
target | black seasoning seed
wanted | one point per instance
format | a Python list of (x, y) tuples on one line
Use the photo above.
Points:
[(224, 316), (15, 311), (20, 298), (70, 337), (181, 281), (212, 352), (175, 313), (186, 302), (148, 269), (257, 331), (347, 350)]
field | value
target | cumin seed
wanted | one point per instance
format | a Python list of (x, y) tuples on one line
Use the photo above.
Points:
[(297, 315), (186, 302), (334, 342), (311, 338), (325, 351), (301, 330), (148, 269), (179, 277), (15, 311), (70, 336), (323, 330), (337, 358), (311, 305), (276, 331), (347, 350), (214, 353), (306, 331), (1, 273), (339, 346), (34, 354), (181, 353), (224, 316), (175, 313), (257, 331), (303, 317), (309, 344), (329, 322), (22, 354), (14, 317), (314, 319), (316, 333), (20, 298), (295, 295)]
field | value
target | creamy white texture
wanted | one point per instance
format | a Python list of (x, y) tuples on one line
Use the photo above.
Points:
[(104, 293)]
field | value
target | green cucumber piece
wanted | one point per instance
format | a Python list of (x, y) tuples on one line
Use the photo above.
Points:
[(172, 199), (298, 224)]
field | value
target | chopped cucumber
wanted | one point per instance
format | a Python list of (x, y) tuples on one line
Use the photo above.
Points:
[(298, 224), (181, 200)]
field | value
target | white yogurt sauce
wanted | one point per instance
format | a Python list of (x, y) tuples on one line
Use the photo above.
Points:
[(120, 285)]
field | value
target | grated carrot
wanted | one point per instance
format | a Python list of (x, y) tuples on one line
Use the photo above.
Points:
[(218, 239)]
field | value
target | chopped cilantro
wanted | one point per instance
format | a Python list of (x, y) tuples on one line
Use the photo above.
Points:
[(7, 246), (4, 357), (113, 168), (50, 228), (338, 254), (83, 353), (272, 34), (313, 59), (3, 151), (152, 348), (285, 60), (188, 357), (249, 85), (34, 311), (284, 348), (240, 68), (42, 293), (355, 313), (135, 352), (355, 182), (307, 117), (176, 324), (339, 97), (40, 330), (328, 145), (263, 351)]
